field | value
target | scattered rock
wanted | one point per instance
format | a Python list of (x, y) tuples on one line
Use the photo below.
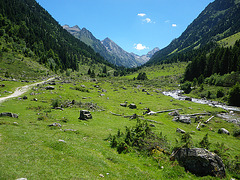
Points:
[(50, 88), (104, 90), (174, 113), (148, 93), (180, 131), (101, 175), (152, 125), (132, 106), (59, 108), (188, 99), (223, 131), (84, 115), (2, 85), (124, 88), (35, 99), (21, 179), (200, 162), (55, 124), (25, 97), (123, 104), (61, 140), (8, 114), (52, 83), (182, 119), (102, 94), (73, 130)]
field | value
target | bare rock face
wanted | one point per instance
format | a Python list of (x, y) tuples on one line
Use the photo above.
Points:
[(200, 162), (84, 115)]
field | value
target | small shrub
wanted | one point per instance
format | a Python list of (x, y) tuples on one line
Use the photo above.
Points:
[(236, 132), (56, 103), (220, 93), (204, 143), (186, 87), (234, 95), (140, 138), (82, 89)]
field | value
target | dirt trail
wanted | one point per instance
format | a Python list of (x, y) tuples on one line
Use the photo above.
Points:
[(21, 90)]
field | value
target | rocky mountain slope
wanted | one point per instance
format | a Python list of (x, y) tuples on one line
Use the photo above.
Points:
[(220, 19), (109, 49)]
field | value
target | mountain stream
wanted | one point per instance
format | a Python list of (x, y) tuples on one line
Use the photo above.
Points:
[(232, 116)]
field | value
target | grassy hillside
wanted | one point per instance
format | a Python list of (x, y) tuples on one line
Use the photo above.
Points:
[(229, 41), (33, 150)]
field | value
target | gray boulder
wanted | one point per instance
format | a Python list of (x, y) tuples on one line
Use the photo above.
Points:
[(84, 115), (55, 125), (9, 114), (123, 104), (182, 119), (174, 113), (50, 88), (200, 162), (132, 106), (223, 131), (180, 131)]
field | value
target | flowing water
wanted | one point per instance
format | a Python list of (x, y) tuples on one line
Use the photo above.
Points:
[(232, 116)]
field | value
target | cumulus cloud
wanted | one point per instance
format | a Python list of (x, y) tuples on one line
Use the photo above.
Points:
[(148, 20), (140, 47), (141, 14), (174, 25)]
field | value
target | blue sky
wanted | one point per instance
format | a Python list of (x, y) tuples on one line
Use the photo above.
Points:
[(136, 25)]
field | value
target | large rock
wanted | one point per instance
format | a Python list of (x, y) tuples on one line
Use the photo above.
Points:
[(182, 119), (200, 162), (223, 131), (132, 106), (9, 114), (50, 88), (84, 115)]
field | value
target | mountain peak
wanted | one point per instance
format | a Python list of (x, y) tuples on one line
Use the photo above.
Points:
[(72, 29)]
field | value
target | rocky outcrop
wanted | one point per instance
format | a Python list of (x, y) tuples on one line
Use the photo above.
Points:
[(200, 162)]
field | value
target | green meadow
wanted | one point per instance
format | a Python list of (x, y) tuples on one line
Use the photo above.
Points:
[(31, 149)]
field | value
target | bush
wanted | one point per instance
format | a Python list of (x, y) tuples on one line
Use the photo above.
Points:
[(142, 76), (204, 143), (56, 103), (220, 93), (140, 138), (234, 95), (186, 87)]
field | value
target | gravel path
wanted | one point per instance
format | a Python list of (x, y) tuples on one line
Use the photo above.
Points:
[(21, 90)]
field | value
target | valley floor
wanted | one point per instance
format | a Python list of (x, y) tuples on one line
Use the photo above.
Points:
[(77, 149)]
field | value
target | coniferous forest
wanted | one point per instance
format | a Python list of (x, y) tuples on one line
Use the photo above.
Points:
[(26, 22)]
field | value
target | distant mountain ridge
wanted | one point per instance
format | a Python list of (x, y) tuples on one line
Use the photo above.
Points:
[(220, 19), (109, 49)]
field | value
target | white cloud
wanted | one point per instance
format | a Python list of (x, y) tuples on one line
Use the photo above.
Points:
[(167, 21), (142, 14), (174, 25), (148, 20), (140, 47)]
